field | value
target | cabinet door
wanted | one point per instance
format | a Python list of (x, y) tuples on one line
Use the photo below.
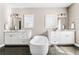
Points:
[(67, 38), (23, 39), (22, 35), (54, 38), (10, 38)]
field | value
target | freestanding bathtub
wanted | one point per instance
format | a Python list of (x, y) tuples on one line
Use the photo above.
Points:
[(39, 45)]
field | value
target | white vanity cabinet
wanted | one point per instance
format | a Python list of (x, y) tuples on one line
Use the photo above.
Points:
[(61, 37), (17, 38)]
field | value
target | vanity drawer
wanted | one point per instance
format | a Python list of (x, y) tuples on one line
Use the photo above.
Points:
[(22, 35), (15, 36), (10, 36)]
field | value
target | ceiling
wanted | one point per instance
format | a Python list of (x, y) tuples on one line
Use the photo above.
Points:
[(37, 5)]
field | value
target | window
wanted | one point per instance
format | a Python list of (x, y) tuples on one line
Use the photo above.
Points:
[(28, 21), (50, 21)]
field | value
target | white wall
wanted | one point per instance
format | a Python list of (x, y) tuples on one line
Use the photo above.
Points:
[(73, 11), (2, 22), (39, 14)]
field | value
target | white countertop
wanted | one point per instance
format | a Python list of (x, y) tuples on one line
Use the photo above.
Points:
[(16, 30), (61, 30)]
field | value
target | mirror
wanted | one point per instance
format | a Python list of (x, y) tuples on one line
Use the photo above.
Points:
[(15, 22)]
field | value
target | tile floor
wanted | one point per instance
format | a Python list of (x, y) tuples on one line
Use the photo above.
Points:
[(64, 50), (15, 50), (24, 50)]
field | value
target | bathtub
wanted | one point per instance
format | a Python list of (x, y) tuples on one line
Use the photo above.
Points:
[(39, 45)]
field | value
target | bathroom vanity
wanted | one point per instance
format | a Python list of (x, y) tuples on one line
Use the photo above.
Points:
[(64, 37), (19, 29), (17, 37)]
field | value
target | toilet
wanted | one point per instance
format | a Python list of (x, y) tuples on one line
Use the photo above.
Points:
[(39, 45)]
